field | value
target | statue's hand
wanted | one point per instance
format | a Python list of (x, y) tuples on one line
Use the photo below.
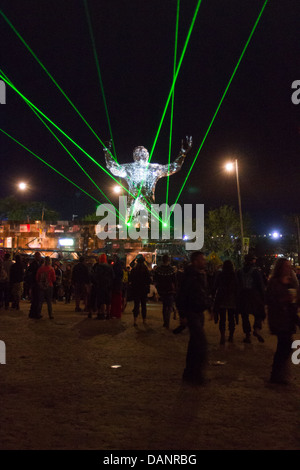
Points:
[(187, 145)]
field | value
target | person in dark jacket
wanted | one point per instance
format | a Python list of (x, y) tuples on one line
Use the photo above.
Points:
[(226, 292), (102, 278), (16, 279), (192, 300), (116, 299), (251, 298), (165, 281), (283, 301), (35, 307), (140, 284), (80, 280)]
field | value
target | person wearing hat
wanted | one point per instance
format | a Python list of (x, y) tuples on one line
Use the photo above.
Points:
[(140, 284), (251, 298)]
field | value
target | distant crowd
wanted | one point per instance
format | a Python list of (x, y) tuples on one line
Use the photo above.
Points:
[(102, 287)]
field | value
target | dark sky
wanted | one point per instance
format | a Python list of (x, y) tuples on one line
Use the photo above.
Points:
[(257, 122)]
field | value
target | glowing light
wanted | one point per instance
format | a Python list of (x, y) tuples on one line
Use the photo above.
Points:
[(66, 241), (229, 167), (275, 235), (117, 189), (22, 186), (165, 224)]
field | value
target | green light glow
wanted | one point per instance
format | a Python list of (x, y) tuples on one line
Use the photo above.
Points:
[(49, 75), (172, 103), (173, 83), (50, 166), (77, 163), (221, 101), (6, 79), (98, 70)]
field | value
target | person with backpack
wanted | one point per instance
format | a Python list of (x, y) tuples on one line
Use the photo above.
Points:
[(251, 298), (45, 277)]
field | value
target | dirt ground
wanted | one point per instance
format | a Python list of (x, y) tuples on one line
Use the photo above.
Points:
[(58, 390)]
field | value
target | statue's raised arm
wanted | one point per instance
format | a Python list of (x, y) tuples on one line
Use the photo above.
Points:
[(175, 166), (111, 164)]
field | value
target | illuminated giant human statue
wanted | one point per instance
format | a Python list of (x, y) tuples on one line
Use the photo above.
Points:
[(141, 172)]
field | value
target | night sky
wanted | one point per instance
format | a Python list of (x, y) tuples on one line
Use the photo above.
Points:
[(257, 122)]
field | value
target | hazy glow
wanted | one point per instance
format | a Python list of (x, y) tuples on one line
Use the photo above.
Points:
[(229, 166), (22, 186)]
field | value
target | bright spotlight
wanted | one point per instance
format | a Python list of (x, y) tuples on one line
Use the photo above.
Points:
[(117, 189), (22, 186), (229, 166), (275, 235)]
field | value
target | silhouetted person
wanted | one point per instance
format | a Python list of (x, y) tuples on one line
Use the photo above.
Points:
[(192, 300), (226, 291), (45, 277), (165, 281), (16, 281), (80, 280), (35, 311), (251, 298), (116, 299), (283, 301), (102, 277), (140, 284), (7, 264)]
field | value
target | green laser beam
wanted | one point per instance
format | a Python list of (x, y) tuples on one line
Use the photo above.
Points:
[(49, 75), (77, 163), (173, 84), (221, 101), (172, 104), (48, 164), (6, 79), (98, 70)]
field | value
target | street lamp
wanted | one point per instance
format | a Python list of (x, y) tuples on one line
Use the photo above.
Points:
[(22, 186), (117, 189), (230, 166)]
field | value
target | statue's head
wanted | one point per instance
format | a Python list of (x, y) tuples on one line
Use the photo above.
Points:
[(140, 154)]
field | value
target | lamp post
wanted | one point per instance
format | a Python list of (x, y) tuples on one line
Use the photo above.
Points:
[(230, 167)]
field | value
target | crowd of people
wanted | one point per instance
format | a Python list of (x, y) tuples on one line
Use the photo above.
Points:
[(102, 287)]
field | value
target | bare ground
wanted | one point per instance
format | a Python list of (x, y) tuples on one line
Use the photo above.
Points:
[(58, 390)]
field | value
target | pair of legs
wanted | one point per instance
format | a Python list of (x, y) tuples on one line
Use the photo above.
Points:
[(140, 300), (46, 296), (197, 350), (35, 307), (231, 323), (247, 327), (281, 361), (168, 302), (16, 293), (80, 293), (4, 294)]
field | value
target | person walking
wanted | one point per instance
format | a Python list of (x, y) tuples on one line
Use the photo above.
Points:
[(226, 291), (283, 299), (16, 279), (45, 277), (35, 311), (165, 281), (81, 281), (192, 301), (251, 298), (140, 284)]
